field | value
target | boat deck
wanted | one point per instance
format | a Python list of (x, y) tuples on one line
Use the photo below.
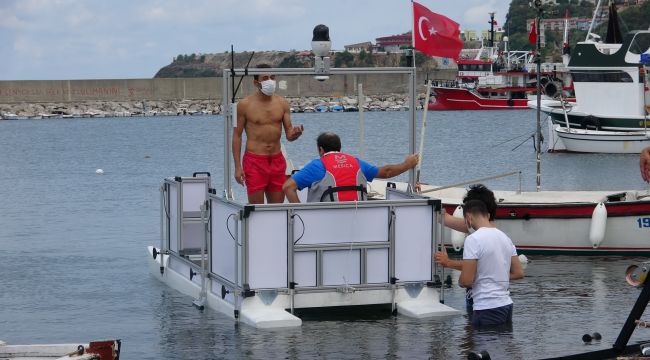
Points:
[(455, 195)]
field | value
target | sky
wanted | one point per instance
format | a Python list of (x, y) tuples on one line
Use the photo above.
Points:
[(108, 39)]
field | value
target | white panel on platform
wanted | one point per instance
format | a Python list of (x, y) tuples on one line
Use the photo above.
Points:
[(341, 267), (413, 242), (377, 266), (173, 218), (194, 194), (327, 226), (267, 251), (223, 245), (193, 234), (304, 264), (396, 195)]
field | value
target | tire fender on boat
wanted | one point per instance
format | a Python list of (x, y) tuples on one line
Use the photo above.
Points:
[(457, 237), (598, 225), (590, 123)]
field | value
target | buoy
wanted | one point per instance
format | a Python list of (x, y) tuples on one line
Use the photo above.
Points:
[(598, 225), (523, 259), (99, 172), (457, 237), (483, 355), (595, 336)]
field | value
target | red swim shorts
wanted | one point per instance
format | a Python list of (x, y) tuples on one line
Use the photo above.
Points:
[(264, 172)]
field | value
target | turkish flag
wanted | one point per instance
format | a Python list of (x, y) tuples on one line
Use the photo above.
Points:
[(434, 34), (532, 37)]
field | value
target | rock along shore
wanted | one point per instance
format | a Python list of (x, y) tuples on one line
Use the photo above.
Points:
[(96, 108)]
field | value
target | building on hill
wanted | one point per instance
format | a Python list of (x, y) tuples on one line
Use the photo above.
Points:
[(557, 24), (469, 35), (394, 43), (498, 35), (356, 48)]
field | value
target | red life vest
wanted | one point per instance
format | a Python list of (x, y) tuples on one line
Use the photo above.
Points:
[(345, 171)]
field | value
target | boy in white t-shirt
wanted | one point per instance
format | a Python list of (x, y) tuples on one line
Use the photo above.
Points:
[(489, 263)]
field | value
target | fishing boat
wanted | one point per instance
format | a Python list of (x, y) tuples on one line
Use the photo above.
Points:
[(265, 264), (95, 350), (558, 222), (611, 88), (491, 79)]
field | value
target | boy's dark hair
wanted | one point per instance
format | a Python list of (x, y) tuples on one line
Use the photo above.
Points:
[(480, 192), (476, 207), (261, 66), (329, 141)]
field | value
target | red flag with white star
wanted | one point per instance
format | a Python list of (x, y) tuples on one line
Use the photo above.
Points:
[(435, 34)]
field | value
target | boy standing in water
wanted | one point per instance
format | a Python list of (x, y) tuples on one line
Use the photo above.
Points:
[(490, 261)]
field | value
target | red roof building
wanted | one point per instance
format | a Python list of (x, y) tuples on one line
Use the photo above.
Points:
[(394, 43)]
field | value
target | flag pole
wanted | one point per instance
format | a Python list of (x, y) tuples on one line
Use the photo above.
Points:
[(415, 176), (425, 107), (538, 60)]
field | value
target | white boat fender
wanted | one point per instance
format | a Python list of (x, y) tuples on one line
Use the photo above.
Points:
[(598, 225), (457, 237), (523, 259)]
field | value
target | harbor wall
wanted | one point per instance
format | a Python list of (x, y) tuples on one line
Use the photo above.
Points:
[(71, 91)]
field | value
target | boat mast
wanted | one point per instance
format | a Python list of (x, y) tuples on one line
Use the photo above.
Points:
[(593, 20), (491, 43), (566, 49), (538, 60)]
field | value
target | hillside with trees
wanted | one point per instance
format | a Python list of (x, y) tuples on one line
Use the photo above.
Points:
[(631, 18)]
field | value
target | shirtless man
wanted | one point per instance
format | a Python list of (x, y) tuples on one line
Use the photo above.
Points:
[(262, 115)]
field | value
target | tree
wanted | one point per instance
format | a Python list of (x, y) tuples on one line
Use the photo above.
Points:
[(344, 59), (291, 61)]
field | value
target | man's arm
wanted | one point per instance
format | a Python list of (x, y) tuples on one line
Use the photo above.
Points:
[(291, 132), (644, 164), (455, 223), (236, 141), (290, 189), (516, 270), (468, 273), (388, 171)]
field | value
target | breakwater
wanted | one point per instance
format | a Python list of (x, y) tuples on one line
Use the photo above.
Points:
[(98, 108), (167, 96)]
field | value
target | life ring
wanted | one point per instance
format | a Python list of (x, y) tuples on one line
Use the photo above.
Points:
[(590, 122)]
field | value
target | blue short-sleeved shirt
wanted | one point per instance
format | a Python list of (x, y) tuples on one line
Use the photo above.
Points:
[(314, 171)]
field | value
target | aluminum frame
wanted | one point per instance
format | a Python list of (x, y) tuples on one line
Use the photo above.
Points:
[(228, 111), (241, 262)]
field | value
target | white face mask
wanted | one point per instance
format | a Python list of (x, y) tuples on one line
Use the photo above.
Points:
[(268, 87)]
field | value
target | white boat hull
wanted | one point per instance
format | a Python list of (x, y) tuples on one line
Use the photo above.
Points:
[(559, 222), (593, 141)]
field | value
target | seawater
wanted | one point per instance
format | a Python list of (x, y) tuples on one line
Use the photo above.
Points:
[(73, 243)]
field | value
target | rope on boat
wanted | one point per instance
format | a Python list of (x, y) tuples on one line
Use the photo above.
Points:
[(472, 181)]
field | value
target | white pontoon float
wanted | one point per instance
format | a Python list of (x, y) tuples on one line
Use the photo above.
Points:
[(262, 263)]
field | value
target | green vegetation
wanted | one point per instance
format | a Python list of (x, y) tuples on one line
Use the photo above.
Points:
[(291, 61)]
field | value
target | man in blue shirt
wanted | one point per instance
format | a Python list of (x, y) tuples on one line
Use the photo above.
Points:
[(334, 169)]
